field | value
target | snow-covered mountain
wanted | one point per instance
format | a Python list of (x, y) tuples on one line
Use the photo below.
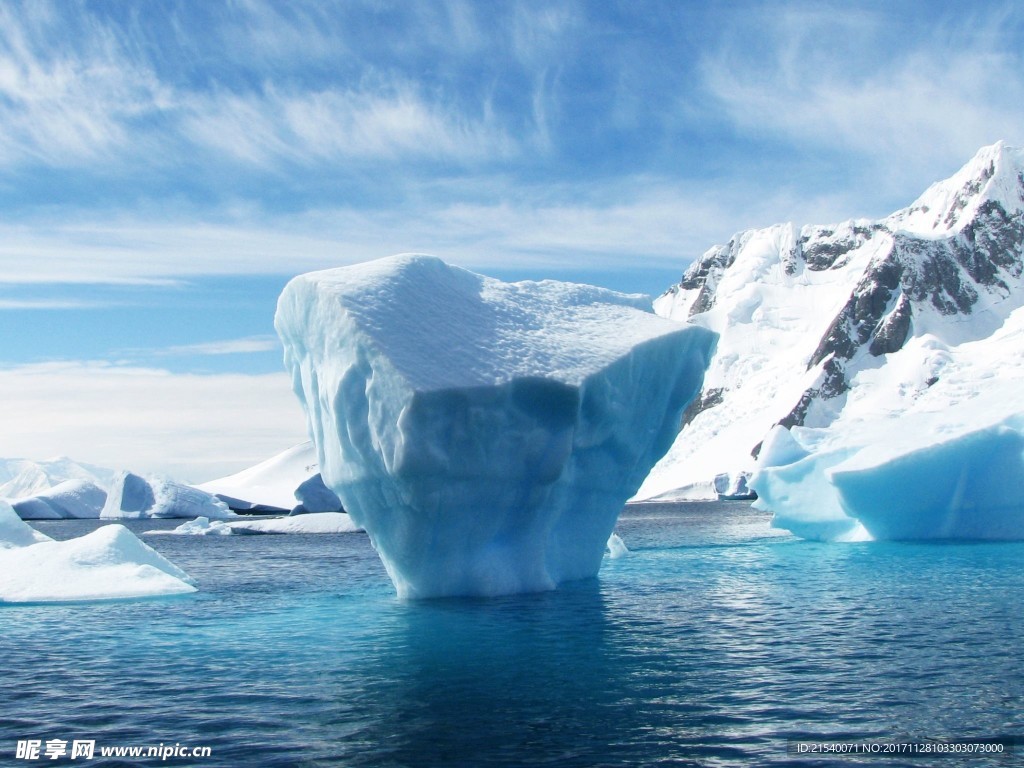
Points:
[(20, 478), (809, 318), (272, 482)]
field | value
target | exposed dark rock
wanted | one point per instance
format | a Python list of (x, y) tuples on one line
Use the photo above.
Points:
[(893, 330), (708, 398), (704, 274), (243, 507), (825, 248), (831, 383)]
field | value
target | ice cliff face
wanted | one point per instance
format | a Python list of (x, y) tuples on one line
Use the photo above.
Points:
[(485, 434), (807, 316)]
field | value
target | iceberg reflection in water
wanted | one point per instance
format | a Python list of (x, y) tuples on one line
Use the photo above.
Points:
[(713, 642)]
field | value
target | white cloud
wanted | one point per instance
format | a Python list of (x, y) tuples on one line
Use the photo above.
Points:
[(72, 103), (70, 304), (911, 107), (191, 427), (98, 98), (245, 345), (389, 121), (640, 223)]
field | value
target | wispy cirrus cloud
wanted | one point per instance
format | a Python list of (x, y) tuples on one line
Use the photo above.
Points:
[(644, 222), (108, 97), (74, 103), (389, 122), (51, 304), (910, 98), (246, 345)]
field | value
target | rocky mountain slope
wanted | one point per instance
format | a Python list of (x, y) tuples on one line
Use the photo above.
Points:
[(803, 312)]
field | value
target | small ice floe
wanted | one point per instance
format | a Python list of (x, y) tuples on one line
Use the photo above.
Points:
[(109, 563), (616, 547)]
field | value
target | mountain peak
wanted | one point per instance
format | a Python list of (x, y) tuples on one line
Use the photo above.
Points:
[(994, 175)]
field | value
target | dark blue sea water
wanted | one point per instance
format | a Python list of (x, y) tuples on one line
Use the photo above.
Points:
[(714, 642)]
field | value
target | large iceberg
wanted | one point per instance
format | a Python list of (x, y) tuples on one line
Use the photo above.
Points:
[(485, 434), (132, 496), (109, 563)]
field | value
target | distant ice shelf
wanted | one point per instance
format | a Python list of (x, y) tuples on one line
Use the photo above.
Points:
[(311, 522), (485, 434)]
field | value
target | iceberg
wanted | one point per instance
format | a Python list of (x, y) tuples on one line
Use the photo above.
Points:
[(969, 486), (69, 499), (315, 496), (485, 434), (109, 563), (132, 496)]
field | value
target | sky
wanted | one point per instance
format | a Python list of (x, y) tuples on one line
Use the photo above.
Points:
[(166, 167)]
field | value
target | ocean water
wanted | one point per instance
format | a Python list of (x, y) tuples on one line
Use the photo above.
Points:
[(713, 643)]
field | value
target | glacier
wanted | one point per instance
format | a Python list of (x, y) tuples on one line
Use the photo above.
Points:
[(109, 563), (932, 455), (485, 434), (132, 496), (824, 328)]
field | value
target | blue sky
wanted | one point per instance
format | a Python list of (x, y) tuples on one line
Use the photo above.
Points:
[(165, 167)]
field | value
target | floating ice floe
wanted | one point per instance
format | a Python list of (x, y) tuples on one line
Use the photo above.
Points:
[(109, 563), (485, 434), (616, 547)]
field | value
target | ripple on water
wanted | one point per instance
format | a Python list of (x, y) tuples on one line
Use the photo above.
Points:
[(713, 642)]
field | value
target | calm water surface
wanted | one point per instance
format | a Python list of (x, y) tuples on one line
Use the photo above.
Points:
[(714, 642)]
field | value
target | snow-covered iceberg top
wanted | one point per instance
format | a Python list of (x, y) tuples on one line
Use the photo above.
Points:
[(934, 452), (109, 563), (485, 434)]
